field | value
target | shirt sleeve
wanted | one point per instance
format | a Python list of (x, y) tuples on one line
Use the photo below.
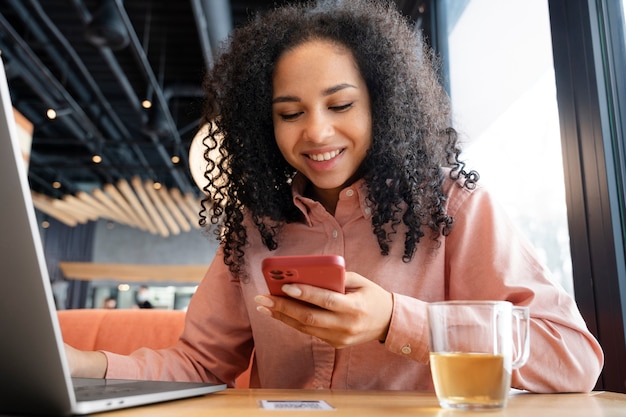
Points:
[(408, 330), (487, 258), (215, 345), (490, 257)]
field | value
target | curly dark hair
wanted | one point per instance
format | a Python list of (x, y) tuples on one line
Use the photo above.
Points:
[(411, 134)]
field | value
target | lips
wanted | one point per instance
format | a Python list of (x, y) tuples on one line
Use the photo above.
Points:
[(325, 156)]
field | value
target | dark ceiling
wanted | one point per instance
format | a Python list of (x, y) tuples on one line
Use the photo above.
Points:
[(56, 57)]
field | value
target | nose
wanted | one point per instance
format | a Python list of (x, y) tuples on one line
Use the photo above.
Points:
[(318, 127)]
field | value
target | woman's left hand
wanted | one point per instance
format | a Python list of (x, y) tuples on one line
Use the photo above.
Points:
[(360, 315)]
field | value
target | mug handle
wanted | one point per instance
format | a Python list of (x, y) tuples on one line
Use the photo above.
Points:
[(521, 317)]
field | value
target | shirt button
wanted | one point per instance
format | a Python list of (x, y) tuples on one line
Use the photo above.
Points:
[(350, 193), (406, 349), (335, 234)]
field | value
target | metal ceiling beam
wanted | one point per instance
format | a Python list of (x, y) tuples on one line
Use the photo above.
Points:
[(219, 16), (46, 91), (140, 54), (214, 22), (203, 32), (112, 125), (60, 61), (85, 130)]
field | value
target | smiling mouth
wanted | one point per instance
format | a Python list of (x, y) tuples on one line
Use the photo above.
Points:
[(326, 156)]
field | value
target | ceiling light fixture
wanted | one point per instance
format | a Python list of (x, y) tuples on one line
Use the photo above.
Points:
[(53, 114), (197, 164)]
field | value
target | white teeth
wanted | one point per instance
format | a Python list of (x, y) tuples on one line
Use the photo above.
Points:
[(326, 156)]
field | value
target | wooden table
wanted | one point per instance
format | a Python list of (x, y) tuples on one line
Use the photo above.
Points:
[(245, 403)]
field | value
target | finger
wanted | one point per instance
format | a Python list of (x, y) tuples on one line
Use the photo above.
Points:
[(309, 319), (310, 323), (303, 316), (353, 280), (326, 299)]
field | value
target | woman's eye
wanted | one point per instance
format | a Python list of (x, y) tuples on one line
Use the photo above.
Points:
[(343, 107), (290, 116)]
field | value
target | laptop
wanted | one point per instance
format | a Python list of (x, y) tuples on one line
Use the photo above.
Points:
[(33, 367)]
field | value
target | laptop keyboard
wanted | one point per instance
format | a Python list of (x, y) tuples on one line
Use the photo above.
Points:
[(88, 392)]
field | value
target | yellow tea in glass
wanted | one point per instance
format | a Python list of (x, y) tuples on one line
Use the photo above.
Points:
[(477, 378), (472, 354)]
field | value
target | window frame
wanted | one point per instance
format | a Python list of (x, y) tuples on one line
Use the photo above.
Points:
[(586, 88)]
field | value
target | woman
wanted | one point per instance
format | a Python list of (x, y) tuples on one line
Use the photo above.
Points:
[(334, 138)]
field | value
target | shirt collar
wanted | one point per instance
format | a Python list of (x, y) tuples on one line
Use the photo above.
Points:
[(309, 207)]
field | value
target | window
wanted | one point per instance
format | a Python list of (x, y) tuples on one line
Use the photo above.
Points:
[(500, 77), (589, 60)]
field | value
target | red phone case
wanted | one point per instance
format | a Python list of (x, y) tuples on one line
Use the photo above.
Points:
[(325, 271)]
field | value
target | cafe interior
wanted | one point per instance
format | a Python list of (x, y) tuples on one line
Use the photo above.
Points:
[(108, 101)]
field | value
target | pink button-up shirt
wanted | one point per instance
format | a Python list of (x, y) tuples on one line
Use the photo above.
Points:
[(484, 257)]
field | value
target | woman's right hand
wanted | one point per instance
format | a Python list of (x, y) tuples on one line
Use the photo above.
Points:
[(86, 364)]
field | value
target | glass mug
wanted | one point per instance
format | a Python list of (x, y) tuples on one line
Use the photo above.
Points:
[(474, 346)]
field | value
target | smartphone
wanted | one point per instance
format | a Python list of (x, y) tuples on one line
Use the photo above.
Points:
[(325, 271)]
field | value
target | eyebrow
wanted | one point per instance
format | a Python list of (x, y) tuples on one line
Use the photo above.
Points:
[(326, 92)]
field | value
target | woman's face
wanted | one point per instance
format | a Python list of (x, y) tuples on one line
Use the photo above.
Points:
[(321, 113)]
